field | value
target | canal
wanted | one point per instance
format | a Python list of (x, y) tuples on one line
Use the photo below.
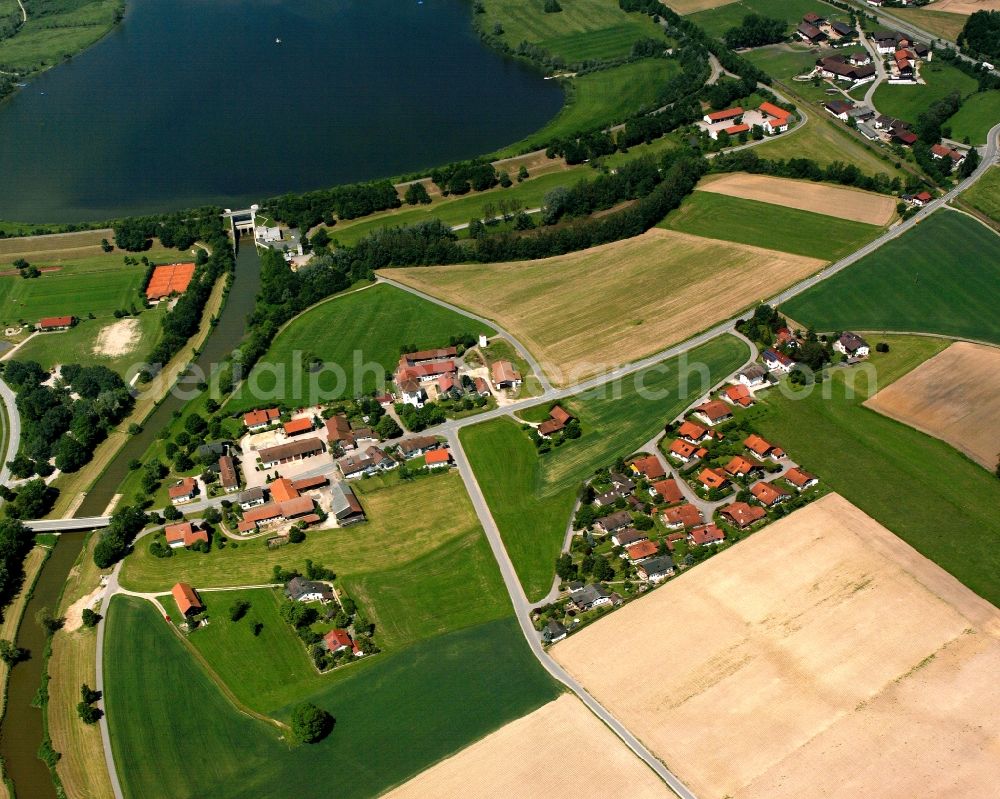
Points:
[(21, 728)]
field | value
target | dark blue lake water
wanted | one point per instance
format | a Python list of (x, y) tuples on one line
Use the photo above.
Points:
[(190, 102)]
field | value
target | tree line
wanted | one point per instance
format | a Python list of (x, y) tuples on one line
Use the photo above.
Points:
[(354, 200), (981, 34), (805, 169)]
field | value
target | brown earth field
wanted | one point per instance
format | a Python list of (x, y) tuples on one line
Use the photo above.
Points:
[(820, 198), (821, 657), (954, 396), (589, 311), (964, 7), (528, 758), (55, 247)]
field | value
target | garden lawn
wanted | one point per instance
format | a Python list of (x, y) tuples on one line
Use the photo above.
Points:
[(942, 276), (908, 102), (531, 497), (583, 30), (979, 113), (602, 98), (174, 734), (455, 210), (984, 195), (358, 335), (927, 493), (716, 21), (762, 224)]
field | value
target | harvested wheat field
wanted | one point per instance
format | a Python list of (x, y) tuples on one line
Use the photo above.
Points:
[(964, 7), (57, 246), (820, 198), (821, 657), (119, 338), (954, 396), (691, 6), (588, 311), (522, 759)]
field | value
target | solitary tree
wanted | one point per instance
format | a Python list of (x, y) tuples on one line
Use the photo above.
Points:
[(310, 723), (11, 654)]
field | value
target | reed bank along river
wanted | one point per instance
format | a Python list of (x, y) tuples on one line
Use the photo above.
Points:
[(188, 103)]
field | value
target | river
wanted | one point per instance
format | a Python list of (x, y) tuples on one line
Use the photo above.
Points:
[(188, 103)]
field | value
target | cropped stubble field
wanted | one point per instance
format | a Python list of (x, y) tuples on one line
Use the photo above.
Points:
[(942, 276), (174, 734), (517, 760), (930, 495), (829, 657), (775, 227), (588, 311), (954, 396), (354, 330), (531, 496)]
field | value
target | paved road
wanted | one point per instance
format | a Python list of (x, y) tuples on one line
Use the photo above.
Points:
[(522, 609), (13, 431), (880, 72), (109, 758)]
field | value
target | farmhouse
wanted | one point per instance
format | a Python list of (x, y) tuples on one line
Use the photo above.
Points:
[(812, 18), (801, 479), (809, 33), (273, 512), (589, 597), (667, 490), (852, 345), (188, 602), (227, 474), (421, 356), (768, 494), (438, 458), (251, 498), (169, 279), (840, 68), (504, 375), (298, 589), (731, 115), (713, 412), (52, 323), (655, 570), (258, 420), (649, 467), (753, 376), (741, 514), (775, 118), (839, 108), (777, 361), (290, 451), (411, 391), (706, 534), (939, 151), (344, 505), (904, 137), (338, 640), (183, 534), (414, 447), (686, 515), (183, 491), (738, 395), (557, 421), (298, 426), (614, 522), (641, 551)]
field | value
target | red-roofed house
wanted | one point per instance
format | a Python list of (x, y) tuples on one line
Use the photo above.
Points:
[(338, 640), (686, 515), (298, 426), (706, 534), (258, 420), (437, 458), (184, 491), (733, 114), (712, 478), (504, 375), (641, 551), (682, 450), (183, 534), (713, 412), (282, 489), (693, 432), (768, 494), (801, 479), (50, 323), (736, 130), (228, 478), (649, 467), (762, 448), (741, 514), (740, 467), (738, 395), (667, 490), (188, 602), (558, 419)]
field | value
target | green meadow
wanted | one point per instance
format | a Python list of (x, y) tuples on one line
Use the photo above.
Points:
[(907, 102), (984, 195), (531, 496), (942, 276), (361, 332), (718, 216)]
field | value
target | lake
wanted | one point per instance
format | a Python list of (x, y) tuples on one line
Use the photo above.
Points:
[(189, 103)]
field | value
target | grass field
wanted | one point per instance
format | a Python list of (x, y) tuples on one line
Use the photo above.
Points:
[(359, 335), (766, 225), (457, 210), (942, 23), (984, 195), (785, 61), (979, 113), (174, 734), (98, 284), (531, 497), (67, 27), (907, 102), (79, 345), (935, 499), (603, 98), (588, 311), (716, 21), (583, 30), (940, 277)]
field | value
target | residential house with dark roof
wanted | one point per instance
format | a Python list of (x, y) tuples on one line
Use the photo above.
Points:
[(851, 345), (344, 505), (299, 589), (628, 536), (553, 632), (291, 451), (655, 570), (589, 597), (614, 522)]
